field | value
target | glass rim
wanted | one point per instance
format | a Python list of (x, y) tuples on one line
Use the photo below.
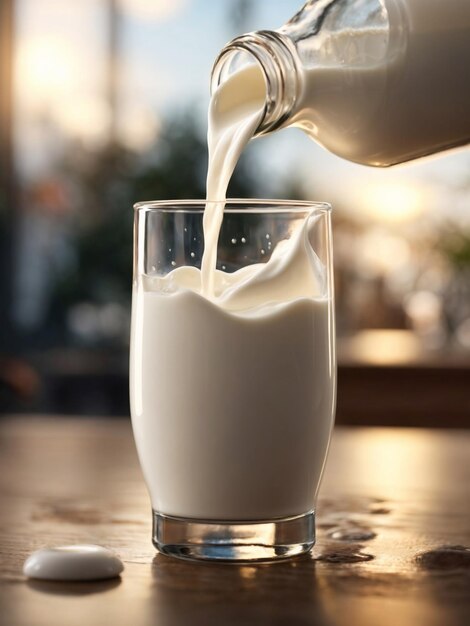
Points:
[(235, 205)]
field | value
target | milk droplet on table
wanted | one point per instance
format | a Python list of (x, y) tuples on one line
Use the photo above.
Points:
[(73, 563)]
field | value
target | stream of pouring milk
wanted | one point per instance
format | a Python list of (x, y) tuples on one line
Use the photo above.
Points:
[(232, 374), (232, 122)]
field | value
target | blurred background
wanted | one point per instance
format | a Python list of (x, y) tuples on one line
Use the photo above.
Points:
[(103, 103)]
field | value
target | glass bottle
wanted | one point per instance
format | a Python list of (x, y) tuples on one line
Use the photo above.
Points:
[(377, 82)]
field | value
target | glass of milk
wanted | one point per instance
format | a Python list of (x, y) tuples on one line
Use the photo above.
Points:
[(233, 390)]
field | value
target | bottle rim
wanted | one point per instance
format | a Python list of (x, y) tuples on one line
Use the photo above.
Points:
[(275, 55)]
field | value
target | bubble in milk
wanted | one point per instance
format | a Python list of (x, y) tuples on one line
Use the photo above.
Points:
[(263, 251), (173, 263), (268, 236), (192, 255)]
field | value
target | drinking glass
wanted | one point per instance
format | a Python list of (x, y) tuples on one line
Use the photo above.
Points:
[(232, 410)]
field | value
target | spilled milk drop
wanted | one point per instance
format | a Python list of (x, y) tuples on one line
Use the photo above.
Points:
[(73, 563)]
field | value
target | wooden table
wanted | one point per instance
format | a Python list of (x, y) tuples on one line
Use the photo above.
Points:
[(78, 480)]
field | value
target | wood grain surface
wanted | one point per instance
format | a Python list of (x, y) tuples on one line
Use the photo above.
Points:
[(78, 481)]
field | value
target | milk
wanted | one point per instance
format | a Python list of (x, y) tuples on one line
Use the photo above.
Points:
[(232, 122), (233, 375), (75, 563), (237, 429), (233, 396)]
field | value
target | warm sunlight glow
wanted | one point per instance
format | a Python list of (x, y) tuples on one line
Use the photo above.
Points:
[(46, 69), (137, 127), (384, 347), (394, 203), (87, 118), (153, 9), (380, 252)]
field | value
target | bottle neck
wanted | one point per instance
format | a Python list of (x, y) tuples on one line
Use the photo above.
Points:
[(276, 56)]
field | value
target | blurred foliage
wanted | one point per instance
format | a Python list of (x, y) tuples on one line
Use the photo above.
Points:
[(7, 336), (455, 246)]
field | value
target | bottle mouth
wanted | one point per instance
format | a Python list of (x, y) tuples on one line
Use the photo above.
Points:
[(273, 55)]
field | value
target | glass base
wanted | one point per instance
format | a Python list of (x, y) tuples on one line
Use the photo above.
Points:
[(234, 541)]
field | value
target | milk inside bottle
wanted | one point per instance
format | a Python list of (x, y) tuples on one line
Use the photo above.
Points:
[(377, 82)]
